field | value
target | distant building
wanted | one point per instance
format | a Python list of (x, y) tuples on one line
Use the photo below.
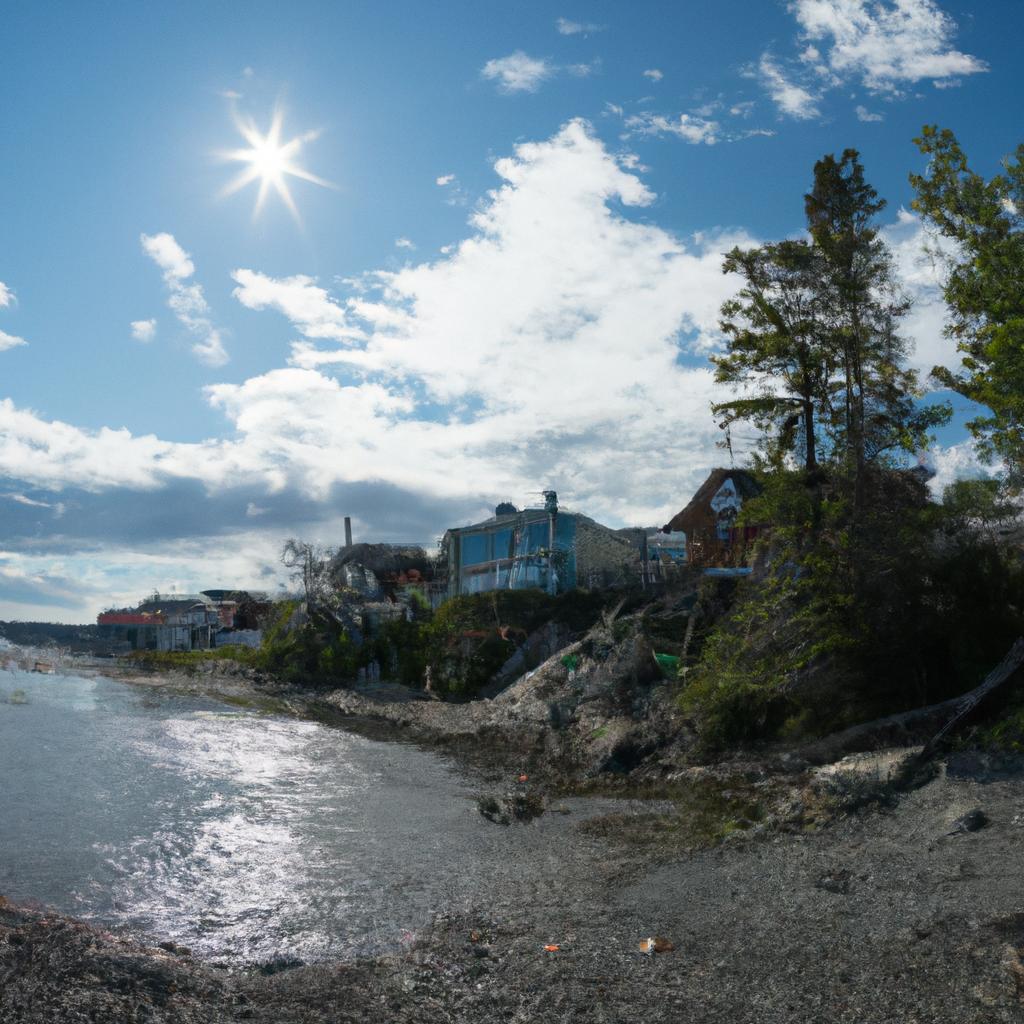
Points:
[(179, 623), (544, 548), (709, 520)]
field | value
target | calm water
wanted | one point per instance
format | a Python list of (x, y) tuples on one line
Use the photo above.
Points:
[(242, 835)]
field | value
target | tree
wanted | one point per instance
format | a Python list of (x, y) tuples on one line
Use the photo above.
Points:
[(865, 306), (308, 564), (984, 288), (775, 344), (814, 333)]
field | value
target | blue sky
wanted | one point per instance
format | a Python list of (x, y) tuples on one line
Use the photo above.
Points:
[(512, 282)]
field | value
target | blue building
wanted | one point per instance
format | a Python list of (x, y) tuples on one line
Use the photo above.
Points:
[(543, 548)]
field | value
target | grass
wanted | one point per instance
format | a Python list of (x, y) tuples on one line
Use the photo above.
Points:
[(704, 813)]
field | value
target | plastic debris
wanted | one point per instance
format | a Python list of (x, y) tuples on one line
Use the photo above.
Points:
[(552, 948), (668, 663), (524, 778), (656, 944)]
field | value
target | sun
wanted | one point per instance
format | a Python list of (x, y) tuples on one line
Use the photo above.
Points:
[(269, 161)]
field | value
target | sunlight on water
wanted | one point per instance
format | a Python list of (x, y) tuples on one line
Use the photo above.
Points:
[(244, 836)]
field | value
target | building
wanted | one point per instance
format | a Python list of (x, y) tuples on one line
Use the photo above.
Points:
[(544, 548), (179, 623), (709, 520)]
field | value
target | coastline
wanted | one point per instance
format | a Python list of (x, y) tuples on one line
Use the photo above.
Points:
[(882, 917)]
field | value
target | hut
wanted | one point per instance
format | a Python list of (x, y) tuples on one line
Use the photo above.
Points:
[(709, 520)]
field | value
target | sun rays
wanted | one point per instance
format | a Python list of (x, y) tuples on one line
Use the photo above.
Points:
[(269, 161)]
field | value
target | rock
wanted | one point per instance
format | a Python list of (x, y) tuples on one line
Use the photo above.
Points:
[(511, 807), (835, 881), (972, 821)]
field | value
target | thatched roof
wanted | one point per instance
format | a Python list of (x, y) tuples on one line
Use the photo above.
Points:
[(698, 511)]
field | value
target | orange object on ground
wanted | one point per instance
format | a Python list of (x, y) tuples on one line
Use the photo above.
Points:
[(524, 778), (552, 948)]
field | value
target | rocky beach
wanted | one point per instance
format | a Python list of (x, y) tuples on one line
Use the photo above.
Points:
[(776, 889)]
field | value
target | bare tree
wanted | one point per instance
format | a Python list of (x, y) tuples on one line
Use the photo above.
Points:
[(308, 565)]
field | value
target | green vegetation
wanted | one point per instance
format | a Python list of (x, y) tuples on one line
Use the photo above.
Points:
[(985, 221), (704, 812), (870, 597)]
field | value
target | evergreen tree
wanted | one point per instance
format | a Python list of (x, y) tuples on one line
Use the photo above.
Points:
[(984, 288), (775, 348), (864, 307), (813, 337)]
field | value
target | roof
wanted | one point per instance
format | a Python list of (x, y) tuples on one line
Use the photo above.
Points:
[(527, 515), (697, 511), (166, 605)]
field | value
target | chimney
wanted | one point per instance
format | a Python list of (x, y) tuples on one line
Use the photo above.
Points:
[(348, 531)]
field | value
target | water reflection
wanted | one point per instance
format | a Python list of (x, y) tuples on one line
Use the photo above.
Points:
[(244, 836)]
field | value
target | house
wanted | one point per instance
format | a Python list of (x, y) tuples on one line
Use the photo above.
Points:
[(709, 520), (545, 548), (179, 623)]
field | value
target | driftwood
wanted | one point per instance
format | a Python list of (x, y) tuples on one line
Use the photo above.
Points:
[(969, 701), (902, 728)]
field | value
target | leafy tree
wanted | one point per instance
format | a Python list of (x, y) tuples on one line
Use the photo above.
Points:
[(775, 344), (984, 287), (814, 336)]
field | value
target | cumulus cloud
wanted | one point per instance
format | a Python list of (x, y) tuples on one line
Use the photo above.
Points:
[(654, 74), (185, 298), (6, 296), (10, 341), (301, 300), (921, 260), (143, 330), (404, 243), (444, 179), (578, 376), (886, 45), (416, 400), (518, 72), (957, 462)]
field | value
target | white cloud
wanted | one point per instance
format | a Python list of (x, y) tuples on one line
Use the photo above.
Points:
[(404, 243), (863, 114), (686, 126), (588, 375), (22, 499), (584, 70), (574, 28), (744, 109), (576, 377), (957, 462), (186, 300), (6, 296), (791, 98), (887, 43), (518, 72), (921, 258), (444, 179), (654, 74), (164, 251), (300, 299), (8, 341), (143, 330)]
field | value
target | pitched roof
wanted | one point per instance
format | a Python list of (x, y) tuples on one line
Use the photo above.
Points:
[(697, 511)]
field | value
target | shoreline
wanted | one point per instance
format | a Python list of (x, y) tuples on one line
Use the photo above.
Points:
[(882, 917)]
